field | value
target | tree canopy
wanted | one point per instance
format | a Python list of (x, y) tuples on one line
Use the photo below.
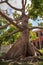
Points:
[(34, 9)]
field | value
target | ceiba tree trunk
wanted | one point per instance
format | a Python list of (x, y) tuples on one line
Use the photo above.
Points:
[(22, 47)]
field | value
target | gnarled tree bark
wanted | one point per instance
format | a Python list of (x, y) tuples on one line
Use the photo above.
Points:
[(22, 48)]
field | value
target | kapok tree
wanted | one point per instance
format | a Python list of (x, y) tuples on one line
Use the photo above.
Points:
[(22, 47)]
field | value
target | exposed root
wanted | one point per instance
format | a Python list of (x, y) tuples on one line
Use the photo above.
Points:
[(38, 52), (21, 51)]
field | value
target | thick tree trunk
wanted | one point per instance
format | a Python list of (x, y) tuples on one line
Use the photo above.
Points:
[(22, 48), (29, 49)]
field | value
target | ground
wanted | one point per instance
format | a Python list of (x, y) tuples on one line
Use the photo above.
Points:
[(5, 63), (23, 63)]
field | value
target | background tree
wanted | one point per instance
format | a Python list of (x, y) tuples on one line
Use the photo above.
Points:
[(40, 24), (32, 36), (4, 39)]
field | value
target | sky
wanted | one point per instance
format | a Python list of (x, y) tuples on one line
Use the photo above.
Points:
[(17, 3), (35, 22)]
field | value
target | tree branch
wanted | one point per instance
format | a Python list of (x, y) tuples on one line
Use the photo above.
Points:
[(19, 18), (30, 28), (15, 31), (38, 27), (4, 26), (10, 19), (25, 2), (37, 50), (13, 6), (2, 2), (33, 59), (22, 3), (23, 7), (6, 1)]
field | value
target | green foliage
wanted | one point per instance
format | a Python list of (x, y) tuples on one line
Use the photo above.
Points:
[(3, 20), (40, 63), (41, 50), (10, 39), (40, 24), (36, 8), (16, 15), (5, 39), (32, 35), (30, 24)]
